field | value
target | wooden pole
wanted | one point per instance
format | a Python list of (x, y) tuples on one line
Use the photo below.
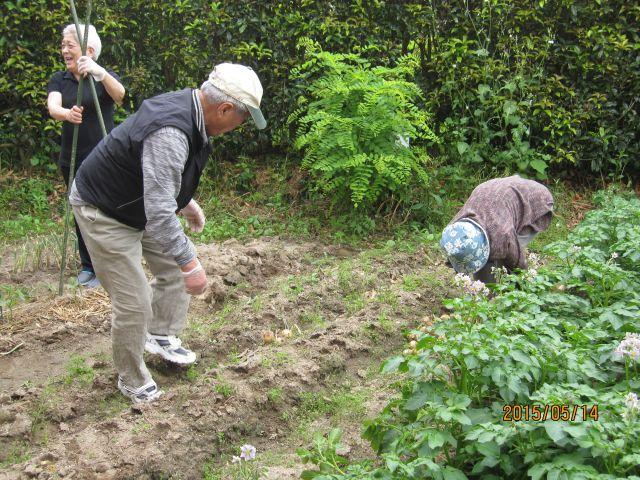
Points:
[(74, 145)]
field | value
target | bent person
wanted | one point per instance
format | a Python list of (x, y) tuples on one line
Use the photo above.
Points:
[(495, 225), (61, 102), (126, 197)]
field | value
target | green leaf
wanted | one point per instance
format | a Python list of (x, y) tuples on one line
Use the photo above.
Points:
[(462, 147), (538, 165), (450, 473), (392, 464), (520, 356), (435, 439), (555, 430), (537, 471), (310, 474), (392, 364)]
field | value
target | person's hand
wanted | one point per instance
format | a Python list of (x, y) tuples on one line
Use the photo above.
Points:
[(74, 115), (194, 215), (87, 65), (194, 276)]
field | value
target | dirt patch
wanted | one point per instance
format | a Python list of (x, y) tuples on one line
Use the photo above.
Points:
[(334, 313)]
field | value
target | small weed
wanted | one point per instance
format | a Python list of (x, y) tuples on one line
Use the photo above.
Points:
[(345, 277), (233, 357), (192, 373), (12, 295), (39, 412), (275, 395), (224, 388), (141, 426), (77, 370), (354, 302), (313, 318), (112, 405), (411, 283), (16, 452), (256, 303), (279, 359), (385, 323)]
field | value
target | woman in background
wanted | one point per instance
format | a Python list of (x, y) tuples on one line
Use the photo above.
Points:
[(61, 102), (495, 225)]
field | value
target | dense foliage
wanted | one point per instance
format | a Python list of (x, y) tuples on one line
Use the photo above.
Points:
[(358, 125), (563, 339), (513, 85)]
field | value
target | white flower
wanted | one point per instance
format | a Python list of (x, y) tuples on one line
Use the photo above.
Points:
[(469, 286), (632, 401), (534, 260), (248, 452), (531, 274), (499, 271), (614, 255), (574, 249), (629, 347), (235, 459), (633, 405)]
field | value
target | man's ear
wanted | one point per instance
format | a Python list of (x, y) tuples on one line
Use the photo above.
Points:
[(225, 108)]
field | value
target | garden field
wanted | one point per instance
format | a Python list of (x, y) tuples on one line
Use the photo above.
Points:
[(333, 340), (291, 335)]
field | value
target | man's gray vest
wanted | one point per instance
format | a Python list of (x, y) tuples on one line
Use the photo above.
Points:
[(110, 178)]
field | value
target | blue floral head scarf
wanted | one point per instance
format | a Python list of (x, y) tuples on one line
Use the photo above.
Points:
[(467, 246)]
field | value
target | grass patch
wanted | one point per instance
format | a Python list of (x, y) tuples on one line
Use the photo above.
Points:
[(27, 205), (224, 388), (112, 405), (16, 452), (315, 319), (275, 395), (278, 359), (12, 295), (78, 371), (338, 406), (192, 373)]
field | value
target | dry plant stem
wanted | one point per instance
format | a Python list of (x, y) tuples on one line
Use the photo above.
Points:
[(4, 354)]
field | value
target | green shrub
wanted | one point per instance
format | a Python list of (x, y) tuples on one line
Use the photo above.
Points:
[(538, 86), (352, 123)]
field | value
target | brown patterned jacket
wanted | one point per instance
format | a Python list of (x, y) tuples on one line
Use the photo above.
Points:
[(505, 208)]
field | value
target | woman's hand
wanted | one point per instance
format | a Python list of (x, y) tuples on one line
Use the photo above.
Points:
[(74, 115), (86, 65)]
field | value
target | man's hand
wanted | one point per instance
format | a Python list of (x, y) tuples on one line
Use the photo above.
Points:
[(194, 215), (74, 115), (194, 276), (87, 65)]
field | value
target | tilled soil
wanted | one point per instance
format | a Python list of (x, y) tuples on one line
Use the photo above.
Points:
[(289, 337)]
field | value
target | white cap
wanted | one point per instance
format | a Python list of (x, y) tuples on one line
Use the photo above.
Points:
[(241, 83)]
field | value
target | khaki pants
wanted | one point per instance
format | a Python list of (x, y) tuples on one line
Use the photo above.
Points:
[(159, 307)]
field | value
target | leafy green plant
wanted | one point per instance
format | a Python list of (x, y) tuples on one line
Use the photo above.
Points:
[(354, 125), (562, 339)]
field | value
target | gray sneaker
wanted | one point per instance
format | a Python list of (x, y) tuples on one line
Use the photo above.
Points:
[(145, 394), (93, 283), (85, 276), (170, 348)]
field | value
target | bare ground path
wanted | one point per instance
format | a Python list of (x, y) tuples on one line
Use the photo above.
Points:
[(289, 338)]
